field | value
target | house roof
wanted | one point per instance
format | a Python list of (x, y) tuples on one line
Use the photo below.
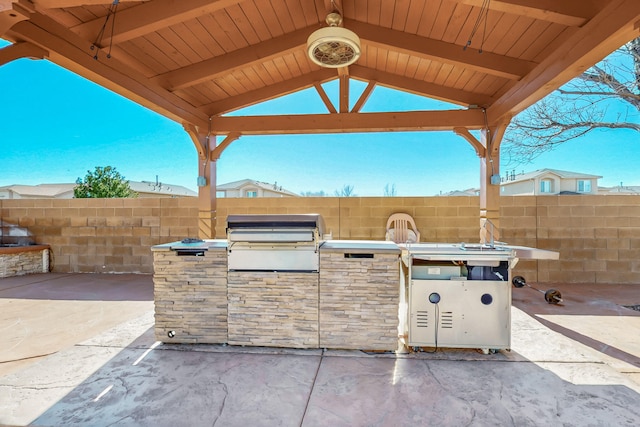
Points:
[(161, 188), (45, 190), (619, 189), (55, 190), (467, 192), (196, 59), (236, 185), (544, 172)]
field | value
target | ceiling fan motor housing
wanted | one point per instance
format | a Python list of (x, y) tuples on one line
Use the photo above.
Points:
[(333, 47)]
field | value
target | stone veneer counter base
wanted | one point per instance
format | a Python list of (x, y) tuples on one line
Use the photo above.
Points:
[(352, 303), (190, 294), (359, 295), (276, 309), (21, 260)]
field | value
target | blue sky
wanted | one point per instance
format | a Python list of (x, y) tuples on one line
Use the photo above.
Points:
[(55, 126)]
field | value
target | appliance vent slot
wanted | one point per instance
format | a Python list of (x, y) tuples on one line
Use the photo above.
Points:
[(446, 320), (422, 319)]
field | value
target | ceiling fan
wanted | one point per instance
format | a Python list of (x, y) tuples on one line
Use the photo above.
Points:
[(333, 46)]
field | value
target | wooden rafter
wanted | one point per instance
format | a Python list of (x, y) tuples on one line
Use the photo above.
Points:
[(418, 87), (48, 4), (565, 37), (269, 92), (423, 47), (227, 64), (67, 50), (149, 17), (12, 12), (21, 50), (572, 13), (349, 122), (325, 98), (607, 31), (364, 97)]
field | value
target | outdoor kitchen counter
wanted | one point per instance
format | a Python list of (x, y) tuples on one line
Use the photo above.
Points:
[(190, 291), (209, 244), (359, 294)]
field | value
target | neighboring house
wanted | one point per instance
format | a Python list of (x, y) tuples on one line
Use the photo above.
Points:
[(251, 188), (633, 190), (467, 192), (549, 182), (65, 190), (40, 191)]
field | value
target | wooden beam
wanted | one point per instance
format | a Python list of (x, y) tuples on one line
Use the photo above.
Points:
[(12, 12), (325, 98), (269, 92), (426, 48), (607, 31), (418, 87), (497, 133), (226, 64), (149, 17), (477, 145), (217, 152), (364, 96), (199, 141), (56, 4), (344, 93), (349, 122), (21, 50), (72, 53), (572, 13)]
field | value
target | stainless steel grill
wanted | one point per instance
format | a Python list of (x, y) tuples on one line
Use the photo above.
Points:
[(274, 242)]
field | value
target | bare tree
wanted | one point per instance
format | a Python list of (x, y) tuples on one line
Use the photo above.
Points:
[(582, 105), (347, 191), (390, 191), (319, 193)]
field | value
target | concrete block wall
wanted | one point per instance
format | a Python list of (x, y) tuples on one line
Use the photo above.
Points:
[(190, 294), (440, 219), (359, 300), (598, 237), (103, 235)]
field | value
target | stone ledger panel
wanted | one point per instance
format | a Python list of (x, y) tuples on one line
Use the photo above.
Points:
[(359, 297), (190, 294), (18, 261), (276, 309)]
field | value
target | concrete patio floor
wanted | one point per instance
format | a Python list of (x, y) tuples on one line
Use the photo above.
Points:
[(79, 350)]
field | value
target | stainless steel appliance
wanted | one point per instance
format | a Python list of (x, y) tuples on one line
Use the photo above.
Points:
[(458, 296), (274, 242)]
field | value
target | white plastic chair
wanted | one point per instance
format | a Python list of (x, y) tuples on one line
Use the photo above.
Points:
[(401, 228)]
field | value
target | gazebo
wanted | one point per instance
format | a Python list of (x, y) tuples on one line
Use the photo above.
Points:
[(193, 61)]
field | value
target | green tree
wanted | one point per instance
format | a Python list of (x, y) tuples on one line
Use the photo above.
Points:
[(104, 182)]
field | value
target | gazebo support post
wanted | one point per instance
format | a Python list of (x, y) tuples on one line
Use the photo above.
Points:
[(489, 191), (491, 138), (207, 203), (488, 150)]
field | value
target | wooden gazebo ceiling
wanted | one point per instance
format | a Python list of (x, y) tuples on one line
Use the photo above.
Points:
[(195, 59)]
